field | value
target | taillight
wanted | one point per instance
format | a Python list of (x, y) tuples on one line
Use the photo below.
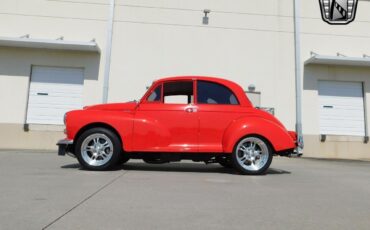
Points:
[(293, 135)]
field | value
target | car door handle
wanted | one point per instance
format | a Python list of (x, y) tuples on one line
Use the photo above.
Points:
[(328, 106), (42, 94), (190, 109)]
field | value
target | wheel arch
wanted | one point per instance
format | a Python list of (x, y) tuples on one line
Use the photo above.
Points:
[(274, 134), (255, 135), (98, 125)]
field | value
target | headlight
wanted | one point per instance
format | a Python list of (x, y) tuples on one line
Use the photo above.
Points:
[(65, 118)]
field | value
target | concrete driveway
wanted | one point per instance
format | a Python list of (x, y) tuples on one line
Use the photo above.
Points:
[(42, 190)]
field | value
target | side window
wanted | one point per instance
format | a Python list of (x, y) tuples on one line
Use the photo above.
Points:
[(213, 93), (155, 96), (179, 92)]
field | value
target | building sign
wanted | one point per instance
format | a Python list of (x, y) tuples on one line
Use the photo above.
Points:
[(338, 12)]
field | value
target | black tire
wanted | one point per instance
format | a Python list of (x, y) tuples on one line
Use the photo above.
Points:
[(266, 155), (226, 162), (104, 133)]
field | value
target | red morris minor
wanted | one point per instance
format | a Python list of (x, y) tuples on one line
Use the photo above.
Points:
[(197, 118)]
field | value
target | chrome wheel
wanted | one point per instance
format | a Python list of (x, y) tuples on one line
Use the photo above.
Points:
[(97, 149), (252, 153)]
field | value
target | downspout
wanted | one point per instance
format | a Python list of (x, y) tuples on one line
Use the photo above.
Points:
[(298, 79), (108, 51)]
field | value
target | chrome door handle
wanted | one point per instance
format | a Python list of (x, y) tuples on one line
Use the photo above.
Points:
[(190, 110)]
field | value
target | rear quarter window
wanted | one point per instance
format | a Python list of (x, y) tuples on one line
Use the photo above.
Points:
[(214, 93)]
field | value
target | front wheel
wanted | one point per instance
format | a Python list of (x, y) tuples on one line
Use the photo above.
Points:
[(98, 149), (252, 155)]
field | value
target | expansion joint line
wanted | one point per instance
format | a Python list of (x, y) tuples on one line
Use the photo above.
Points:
[(84, 200)]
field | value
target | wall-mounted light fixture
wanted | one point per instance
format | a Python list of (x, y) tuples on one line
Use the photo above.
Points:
[(205, 18)]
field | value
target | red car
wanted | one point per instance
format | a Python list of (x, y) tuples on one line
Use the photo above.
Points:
[(196, 118)]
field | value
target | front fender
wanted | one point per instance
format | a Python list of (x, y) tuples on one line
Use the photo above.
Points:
[(120, 121), (276, 134)]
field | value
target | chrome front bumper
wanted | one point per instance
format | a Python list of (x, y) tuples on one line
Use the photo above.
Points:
[(64, 146)]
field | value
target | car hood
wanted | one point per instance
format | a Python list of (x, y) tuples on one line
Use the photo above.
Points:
[(128, 106)]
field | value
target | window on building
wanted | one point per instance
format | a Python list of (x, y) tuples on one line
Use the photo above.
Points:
[(213, 93), (178, 92)]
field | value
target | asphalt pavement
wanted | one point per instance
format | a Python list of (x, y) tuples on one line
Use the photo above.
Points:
[(40, 190)]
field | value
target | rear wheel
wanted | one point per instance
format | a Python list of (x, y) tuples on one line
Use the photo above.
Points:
[(98, 149), (252, 155)]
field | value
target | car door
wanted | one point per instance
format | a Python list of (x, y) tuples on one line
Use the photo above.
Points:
[(217, 107), (166, 121)]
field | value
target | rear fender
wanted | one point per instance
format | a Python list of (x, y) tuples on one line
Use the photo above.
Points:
[(277, 135)]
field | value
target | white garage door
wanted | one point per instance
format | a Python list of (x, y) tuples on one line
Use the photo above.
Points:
[(341, 108), (53, 91)]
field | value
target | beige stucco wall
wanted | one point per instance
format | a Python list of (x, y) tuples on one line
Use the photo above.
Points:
[(240, 43), (248, 41), (338, 147), (13, 136)]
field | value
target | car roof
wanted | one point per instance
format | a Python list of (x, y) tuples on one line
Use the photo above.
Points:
[(237, 89)]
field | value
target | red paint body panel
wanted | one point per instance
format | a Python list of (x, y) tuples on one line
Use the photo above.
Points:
[(213, 121), (159, 127), (279, 138), (165, 129), (129, 106)]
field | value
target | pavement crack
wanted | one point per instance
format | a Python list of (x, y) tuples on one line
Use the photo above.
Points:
[(84, 200)]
